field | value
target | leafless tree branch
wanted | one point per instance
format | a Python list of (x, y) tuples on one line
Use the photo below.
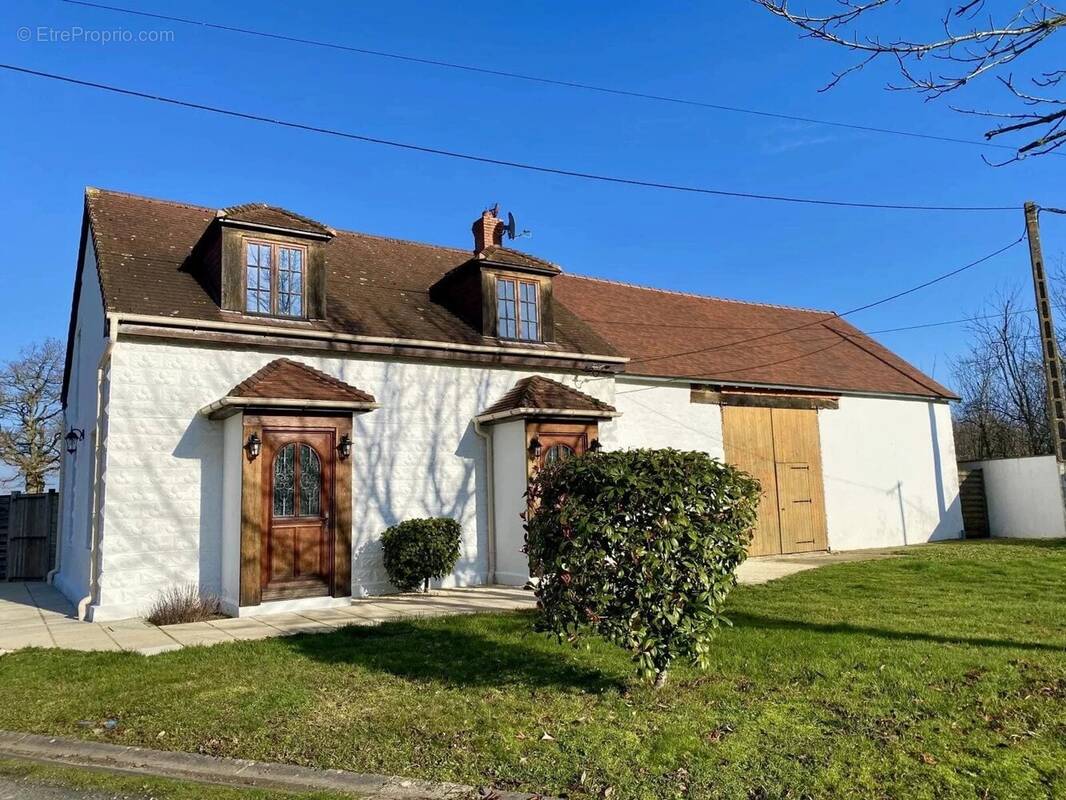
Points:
[(967, 53)]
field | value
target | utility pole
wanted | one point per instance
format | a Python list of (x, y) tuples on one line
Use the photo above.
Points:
[(1056, 405)]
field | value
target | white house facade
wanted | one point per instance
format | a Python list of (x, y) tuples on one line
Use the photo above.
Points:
[(256, 397)]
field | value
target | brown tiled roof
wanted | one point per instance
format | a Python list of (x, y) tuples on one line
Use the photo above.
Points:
[(516, 258), (672, 334), (262, 214), (284, 379), (378, 286), (375, 286), (543, 394)]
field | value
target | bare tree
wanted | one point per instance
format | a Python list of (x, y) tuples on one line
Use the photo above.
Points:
[(969, 46), (31, 424), (1001, 380)]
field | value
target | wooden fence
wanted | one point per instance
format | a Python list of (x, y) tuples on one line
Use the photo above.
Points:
[(974, 503), (28, 524)]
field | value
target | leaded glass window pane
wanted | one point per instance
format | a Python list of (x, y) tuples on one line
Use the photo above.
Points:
[(310, 482), (530, 318), (258, 271), (284, 481), (557, 452), (290, 281), (506, 310)]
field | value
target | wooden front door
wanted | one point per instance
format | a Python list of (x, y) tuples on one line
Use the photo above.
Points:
[(559, 440), (298, 506), (781, 448)]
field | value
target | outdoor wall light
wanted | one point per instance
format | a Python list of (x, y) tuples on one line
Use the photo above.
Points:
[(253, 446), (344, 447), (595, 446), (72, 439), (534, 448)]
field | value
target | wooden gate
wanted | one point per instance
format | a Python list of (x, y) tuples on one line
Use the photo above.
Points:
[(974, 503), (781, 448), (28, 535)]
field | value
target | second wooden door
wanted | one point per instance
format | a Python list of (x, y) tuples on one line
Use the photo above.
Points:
[(781, 448)]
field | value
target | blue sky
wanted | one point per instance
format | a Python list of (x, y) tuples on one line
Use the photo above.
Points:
[(56, 139)]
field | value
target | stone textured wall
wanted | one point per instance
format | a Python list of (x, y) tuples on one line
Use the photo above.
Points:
[(416, 456)]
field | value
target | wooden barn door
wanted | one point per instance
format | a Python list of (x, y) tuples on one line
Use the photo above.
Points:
[(781, 448), (749, 444), (801, 497)]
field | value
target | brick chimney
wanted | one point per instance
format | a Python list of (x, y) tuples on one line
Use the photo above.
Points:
[(488, 230)]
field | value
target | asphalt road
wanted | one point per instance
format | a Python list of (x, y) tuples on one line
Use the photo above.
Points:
[(22, 789)]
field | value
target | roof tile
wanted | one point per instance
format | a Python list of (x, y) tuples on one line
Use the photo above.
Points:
[(544, 394), (285, 379)]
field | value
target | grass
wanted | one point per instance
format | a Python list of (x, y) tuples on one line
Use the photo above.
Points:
[(939, 674), (128, 787)]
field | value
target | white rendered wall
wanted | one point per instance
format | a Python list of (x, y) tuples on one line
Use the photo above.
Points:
[(88, 344), (416, 456), (1024, 496), (886, 483), (660, 415), (510, 481), (890, 473)]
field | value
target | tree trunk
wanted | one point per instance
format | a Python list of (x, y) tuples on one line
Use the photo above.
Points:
[(660, 679), (34, 483)]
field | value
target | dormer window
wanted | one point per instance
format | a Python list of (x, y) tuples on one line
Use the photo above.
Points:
[(274, 275), (517, 309)]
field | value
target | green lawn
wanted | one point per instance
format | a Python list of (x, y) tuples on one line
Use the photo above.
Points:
[(938, 674)]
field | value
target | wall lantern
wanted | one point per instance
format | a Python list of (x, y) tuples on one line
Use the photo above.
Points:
[(253, 446), (72, 439), (595, 446), (344, 447), (534, 448)]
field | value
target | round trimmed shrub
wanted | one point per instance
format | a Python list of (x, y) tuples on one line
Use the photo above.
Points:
[(641, 547), (420, 549)]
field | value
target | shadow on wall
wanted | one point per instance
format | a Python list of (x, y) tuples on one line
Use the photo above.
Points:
[(419, 456), (464, 652), (203, 441)]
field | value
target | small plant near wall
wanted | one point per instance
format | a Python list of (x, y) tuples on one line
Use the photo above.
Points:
[(640, 547), (185, 603), (420, 549)]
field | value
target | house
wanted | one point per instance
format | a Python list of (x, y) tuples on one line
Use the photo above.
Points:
[(253, 396)]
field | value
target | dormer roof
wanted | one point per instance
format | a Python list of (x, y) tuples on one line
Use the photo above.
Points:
[(506, 257), (266, 216)]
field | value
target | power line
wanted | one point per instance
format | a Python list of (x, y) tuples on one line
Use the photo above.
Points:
[(538, 78), (833, 316), (486, 159)]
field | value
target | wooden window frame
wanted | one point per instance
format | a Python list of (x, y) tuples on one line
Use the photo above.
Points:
[(275, 271), (516, 305)]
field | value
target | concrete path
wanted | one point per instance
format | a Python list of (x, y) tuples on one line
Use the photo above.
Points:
[(236, 771), (37, 615), (769, 568)]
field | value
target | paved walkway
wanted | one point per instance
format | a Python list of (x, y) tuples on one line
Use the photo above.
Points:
[(37, 615)]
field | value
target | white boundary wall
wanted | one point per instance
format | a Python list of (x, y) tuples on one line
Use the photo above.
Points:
[(1024, 496)]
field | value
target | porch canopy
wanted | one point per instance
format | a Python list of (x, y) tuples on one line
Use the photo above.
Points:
[(290, 385), (537, 396)]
